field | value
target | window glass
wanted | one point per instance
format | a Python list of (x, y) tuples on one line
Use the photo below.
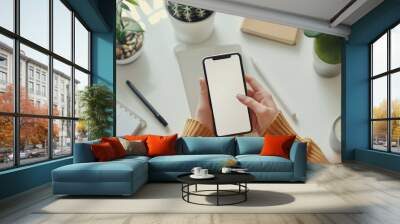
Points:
[(33, 140), (395, 47), (7, 14), (6, 75), (81, 82), (81, 45), (379, 135), (34, 81), (379, 56), (62, 29), (395, 136), (395, 95), (34, 21), (6, 142), (62, 89), (379, 97), (39, 62), (62, 137), (81, 131)]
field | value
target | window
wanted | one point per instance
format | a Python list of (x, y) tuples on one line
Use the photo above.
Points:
[(62, 30), (3, 72), (6, 74), (30, 72), (385, 91), (7, 14), (3, 78), (30, 87), (44, 91), (34, 128), (3, 61), (37, 89), (38, 73), (81, 45), (34, 21)]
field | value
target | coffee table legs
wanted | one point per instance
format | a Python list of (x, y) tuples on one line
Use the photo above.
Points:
[(242, 191), (217, 194)]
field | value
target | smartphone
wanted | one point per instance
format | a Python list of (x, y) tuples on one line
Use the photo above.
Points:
[(225, 79)]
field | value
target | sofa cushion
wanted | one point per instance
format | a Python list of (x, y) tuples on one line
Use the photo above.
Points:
[(129, 159), (206, 145), (103, 152), (249, 145), (112, 171), (116, 145), (161, 145), (185, 163), (277, 145), (257, 163)]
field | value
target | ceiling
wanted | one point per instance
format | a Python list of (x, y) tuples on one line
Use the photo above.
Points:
[(327, 16), (319, 9)]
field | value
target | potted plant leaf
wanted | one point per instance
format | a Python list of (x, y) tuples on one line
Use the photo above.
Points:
[(191, 24), (129, 34), (327, 53), (96, 102)]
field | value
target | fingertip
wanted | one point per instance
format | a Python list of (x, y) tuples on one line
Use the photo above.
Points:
[(240, 96)]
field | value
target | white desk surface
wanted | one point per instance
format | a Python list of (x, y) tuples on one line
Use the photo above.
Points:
[(315, 100)]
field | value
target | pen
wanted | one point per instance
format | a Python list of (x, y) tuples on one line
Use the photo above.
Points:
[(147, 104)]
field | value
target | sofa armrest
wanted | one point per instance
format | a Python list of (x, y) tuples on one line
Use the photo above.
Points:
[(298, 155), (83, 152)]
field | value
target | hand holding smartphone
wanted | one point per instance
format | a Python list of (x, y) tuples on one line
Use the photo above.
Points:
[(225, 80)]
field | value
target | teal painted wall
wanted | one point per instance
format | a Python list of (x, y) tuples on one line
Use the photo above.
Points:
[(103, 62), (24, 178), (355, 86), (99, 15)]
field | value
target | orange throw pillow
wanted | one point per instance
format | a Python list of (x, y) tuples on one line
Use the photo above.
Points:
[(277, 145), (116, 145), (136, 137), (103, 152), (161, 145)]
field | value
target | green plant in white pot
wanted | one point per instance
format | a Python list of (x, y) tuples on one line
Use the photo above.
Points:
[(191, 24), (327, 53), (129, 34)]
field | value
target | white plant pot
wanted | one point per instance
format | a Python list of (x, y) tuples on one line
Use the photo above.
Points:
[(130, 59), (324, 69), (133, 55), (194, 32)]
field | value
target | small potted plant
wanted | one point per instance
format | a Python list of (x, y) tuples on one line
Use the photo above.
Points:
[(191, 24), (327, 53), (129, 34)]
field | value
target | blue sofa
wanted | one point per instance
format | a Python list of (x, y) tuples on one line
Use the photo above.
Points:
[(125, 176)]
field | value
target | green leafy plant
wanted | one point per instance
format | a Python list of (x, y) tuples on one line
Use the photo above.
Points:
[(187, 13), (327, 47), (96, 102), (125, 25)]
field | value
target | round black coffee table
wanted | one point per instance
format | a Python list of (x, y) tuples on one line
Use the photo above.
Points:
[(238, 179)]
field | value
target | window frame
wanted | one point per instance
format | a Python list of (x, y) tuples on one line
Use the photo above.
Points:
[(16, 115), (388, 74)]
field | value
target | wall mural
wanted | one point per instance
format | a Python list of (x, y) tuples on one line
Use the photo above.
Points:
[(293, 74)]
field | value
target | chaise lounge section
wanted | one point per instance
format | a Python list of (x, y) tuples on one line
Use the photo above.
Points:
[(125, 176)]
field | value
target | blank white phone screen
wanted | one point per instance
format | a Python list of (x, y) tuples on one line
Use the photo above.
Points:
[(225, 81)]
